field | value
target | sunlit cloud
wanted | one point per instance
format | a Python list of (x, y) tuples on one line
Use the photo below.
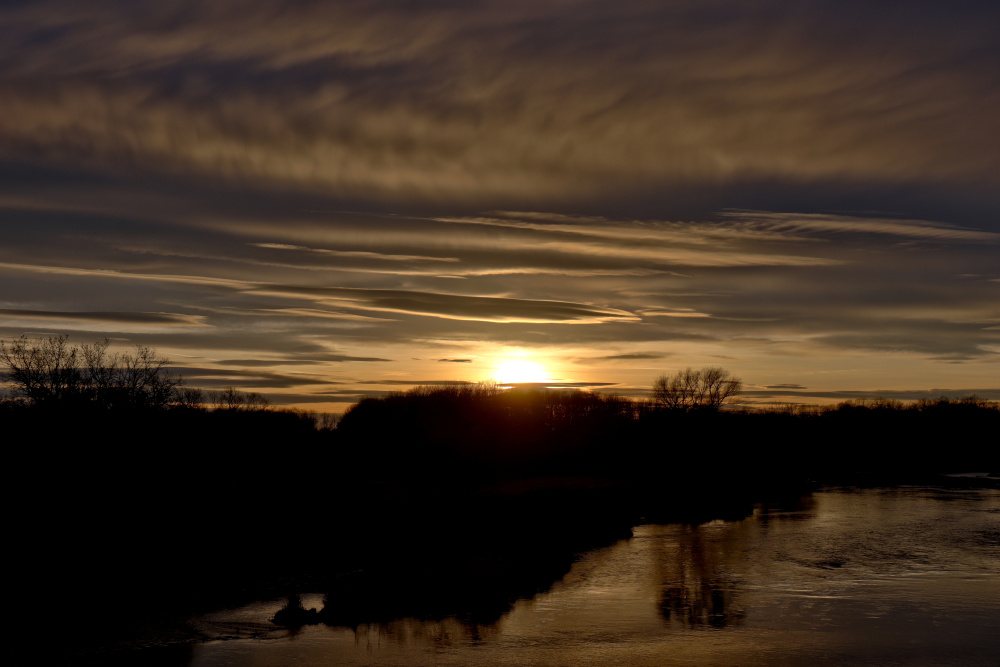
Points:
[(680, 312), (455, 306), (808, 222), (221, 378), (796, 395), (418, 383), (120, 318), (632, 356), (659, 242), (361, 254), (316, 312), (125, 275), (806, 194)]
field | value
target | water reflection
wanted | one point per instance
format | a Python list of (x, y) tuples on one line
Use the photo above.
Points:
[(907, 577), (700, 566), (445, 633), (696, 591)]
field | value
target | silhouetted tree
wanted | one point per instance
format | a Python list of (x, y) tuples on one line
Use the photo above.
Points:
[(190, 398), (128, 379), (232, 398), (42, 371), (710, 387), (51, 371)]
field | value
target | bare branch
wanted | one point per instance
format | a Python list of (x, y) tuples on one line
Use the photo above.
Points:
[(710, 387)]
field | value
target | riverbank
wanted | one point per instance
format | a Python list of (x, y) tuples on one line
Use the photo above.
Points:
[(430, 557)]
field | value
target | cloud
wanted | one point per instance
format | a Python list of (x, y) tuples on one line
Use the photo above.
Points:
[(494, 99), (349, 182), (893, 394), (457, 361), (360, 254), (635, 356), (244, 378), (932, 341), (565, 385), (457, 307), (679, 312), (125, 275), (417, 383), (312, 360), (844, 224), (94, 317), (315, 312), (659, 242)]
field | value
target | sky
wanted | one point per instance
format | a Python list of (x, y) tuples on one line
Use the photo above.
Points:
[(322, 201)]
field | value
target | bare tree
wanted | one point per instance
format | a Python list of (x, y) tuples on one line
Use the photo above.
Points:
[(229, 398), (42, 371), (256, 401), (49, 370), (140, 379), (232, 398), (710, 387), (189, 397)]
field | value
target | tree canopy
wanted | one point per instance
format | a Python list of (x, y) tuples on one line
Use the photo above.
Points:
[(710, 388), (47, 371)]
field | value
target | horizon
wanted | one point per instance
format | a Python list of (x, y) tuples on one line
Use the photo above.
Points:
[(322, 203)]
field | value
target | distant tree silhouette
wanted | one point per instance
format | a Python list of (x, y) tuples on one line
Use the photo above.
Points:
[(232, 398), (710, 387), (42, 371), (190, 398), (51, 371), (126, 380)]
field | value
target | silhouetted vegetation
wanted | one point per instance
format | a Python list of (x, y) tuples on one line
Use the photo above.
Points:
[(682, 432), (205, 499), (51, 372), (708, 388)]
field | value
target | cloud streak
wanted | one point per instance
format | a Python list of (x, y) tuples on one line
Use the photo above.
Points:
[(120, 318), (458, 307), (501, 99), (380, 191)]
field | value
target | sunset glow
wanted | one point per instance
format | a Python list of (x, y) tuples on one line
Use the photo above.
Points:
[(519, 371), (327, 201)]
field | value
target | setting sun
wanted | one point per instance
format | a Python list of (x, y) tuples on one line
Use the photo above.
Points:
[(516, 371)]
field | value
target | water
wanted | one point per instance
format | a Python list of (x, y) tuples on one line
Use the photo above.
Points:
[(875, 577)]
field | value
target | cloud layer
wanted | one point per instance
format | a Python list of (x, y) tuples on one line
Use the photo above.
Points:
[(492, 98), (308, 198)]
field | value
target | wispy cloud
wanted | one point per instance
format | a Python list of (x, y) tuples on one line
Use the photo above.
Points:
[(632, 356), (846, 224), (252, 184), (500, 99), (125, 275), (679, 312), (892, 394), (659, 242), (457, 307), (218, 378), (361, 254), (94, 317)]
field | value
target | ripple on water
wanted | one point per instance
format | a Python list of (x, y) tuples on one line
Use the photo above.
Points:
[(902, 577)]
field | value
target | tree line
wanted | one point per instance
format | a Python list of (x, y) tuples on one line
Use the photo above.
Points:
[(51, 373), (145, 476)]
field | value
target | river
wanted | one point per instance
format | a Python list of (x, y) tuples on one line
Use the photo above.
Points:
[(907, 576)]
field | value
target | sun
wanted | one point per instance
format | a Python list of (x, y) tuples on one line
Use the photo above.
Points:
[(518, 371)]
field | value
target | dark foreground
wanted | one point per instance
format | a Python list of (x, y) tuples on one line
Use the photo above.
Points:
[(427, 514)]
